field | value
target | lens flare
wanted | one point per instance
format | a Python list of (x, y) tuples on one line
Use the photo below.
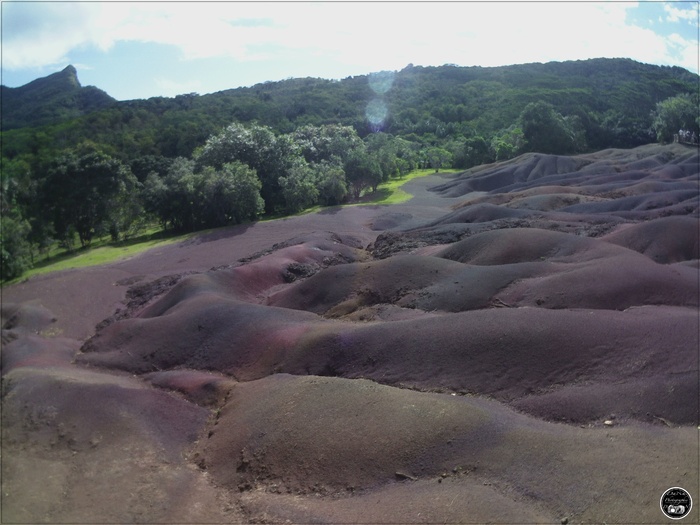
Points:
[(381, 82), (376, 113)]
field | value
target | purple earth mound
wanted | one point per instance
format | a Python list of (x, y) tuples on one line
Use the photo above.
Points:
[(518, 343)]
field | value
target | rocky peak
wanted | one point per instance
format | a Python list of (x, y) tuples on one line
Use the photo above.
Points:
[(51, 99)]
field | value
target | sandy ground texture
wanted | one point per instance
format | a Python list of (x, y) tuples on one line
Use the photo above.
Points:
[(518, 343)]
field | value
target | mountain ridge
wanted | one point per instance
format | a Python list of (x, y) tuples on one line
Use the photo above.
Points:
[(612, 97), (50, 100)]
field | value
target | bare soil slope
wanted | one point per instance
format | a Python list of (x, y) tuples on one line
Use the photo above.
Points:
[(517, 344)]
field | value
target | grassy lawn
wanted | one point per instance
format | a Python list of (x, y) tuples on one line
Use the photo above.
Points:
[(104, 251), (387, 193), (101, 251), (391, 193)]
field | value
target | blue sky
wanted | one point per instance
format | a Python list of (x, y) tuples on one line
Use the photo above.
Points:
[(145, 49)]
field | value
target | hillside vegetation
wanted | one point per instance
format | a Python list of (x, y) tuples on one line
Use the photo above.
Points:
[(77, 165), (51, 100), (614, 96)]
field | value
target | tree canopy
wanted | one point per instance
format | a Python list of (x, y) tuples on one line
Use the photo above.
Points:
[(675, 114), (545, 130), (86, 193)]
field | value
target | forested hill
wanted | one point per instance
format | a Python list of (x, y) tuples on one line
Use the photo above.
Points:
[(103, 167), (50, 100), (608, 103)]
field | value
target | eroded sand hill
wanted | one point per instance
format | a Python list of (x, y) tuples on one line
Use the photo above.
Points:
[(516, 344)]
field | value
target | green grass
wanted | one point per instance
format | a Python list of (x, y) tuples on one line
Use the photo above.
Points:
[(103, 251), (391, 193), (387, 193)]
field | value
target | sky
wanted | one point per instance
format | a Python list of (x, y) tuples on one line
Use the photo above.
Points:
[(162, 48)]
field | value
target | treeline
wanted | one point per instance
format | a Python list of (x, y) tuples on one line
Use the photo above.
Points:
[(245, 171), (435, 106), (204, 161), (237, 175)]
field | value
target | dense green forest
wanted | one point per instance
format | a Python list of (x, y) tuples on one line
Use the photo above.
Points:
[(77, 164)]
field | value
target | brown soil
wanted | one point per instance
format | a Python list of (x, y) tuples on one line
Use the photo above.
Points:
[(516, 344)]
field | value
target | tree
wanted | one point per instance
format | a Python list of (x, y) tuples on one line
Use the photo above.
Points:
[(15, 249), (384, 148), (15, 246), (476, 152), (21, 201), (407, 155), (188, 200), (577, 133), (142, 166), (362, 171), (126, 216), (175, 199), (546, 130), (155, 198), (674, 114), (332, 185), (85, 191), (231, 195), (319, 143), (256, 146), (299, 188), (438, 158), (508, 143)]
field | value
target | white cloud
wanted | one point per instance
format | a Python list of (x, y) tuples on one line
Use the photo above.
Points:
[(676, 14), (36, 35), (677, 40), (364, 36)]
